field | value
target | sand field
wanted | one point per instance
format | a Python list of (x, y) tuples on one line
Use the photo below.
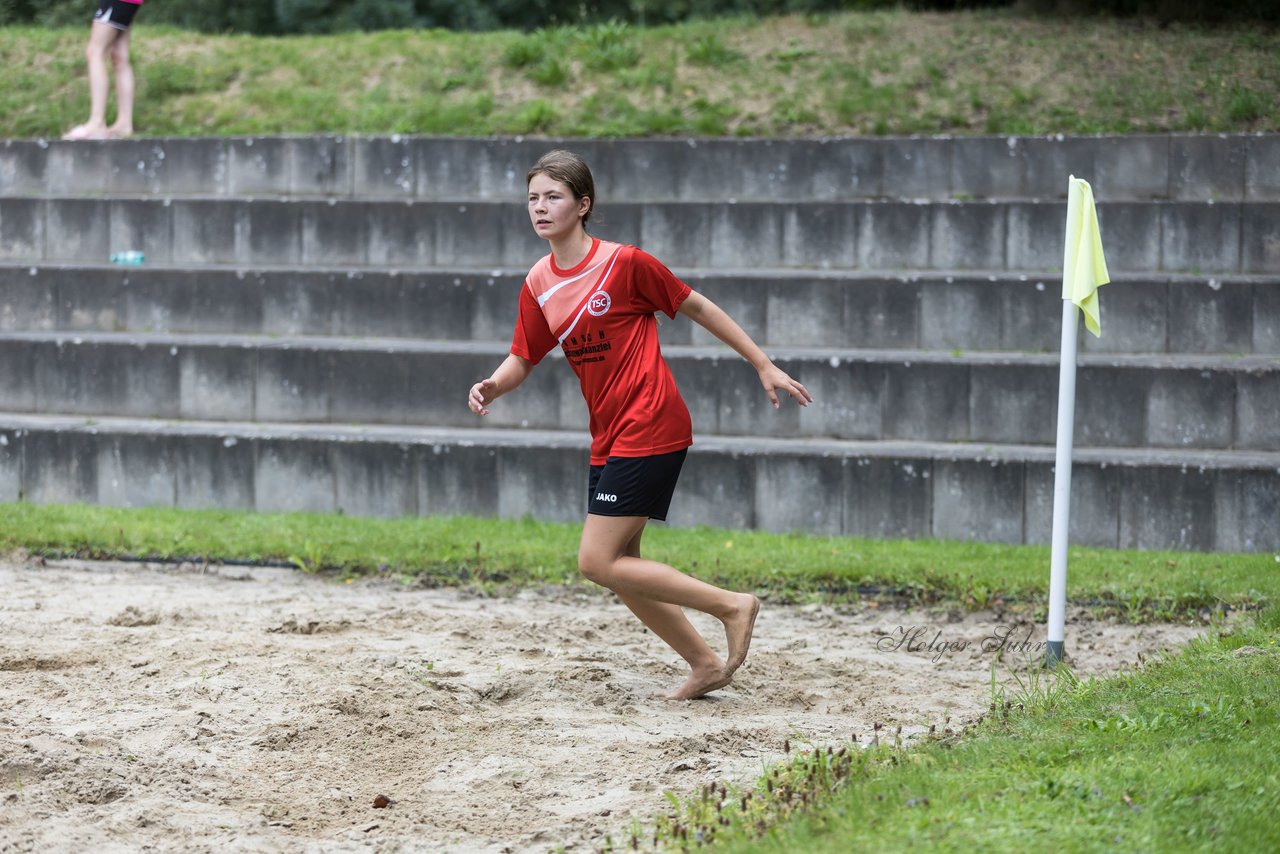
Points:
[(147, 707)]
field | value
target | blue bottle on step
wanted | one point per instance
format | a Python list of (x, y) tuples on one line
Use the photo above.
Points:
[(132, 258)]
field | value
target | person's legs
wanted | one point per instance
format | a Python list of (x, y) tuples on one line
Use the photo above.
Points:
[(123, 125), (101, 37), (669, 622), (609, 556)]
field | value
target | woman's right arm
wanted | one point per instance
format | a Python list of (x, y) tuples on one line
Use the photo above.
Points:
[(513, 371)]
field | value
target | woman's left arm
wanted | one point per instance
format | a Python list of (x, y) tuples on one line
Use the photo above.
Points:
[(715, 320)]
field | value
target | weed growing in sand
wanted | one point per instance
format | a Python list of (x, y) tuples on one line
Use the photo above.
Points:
[(787, 789), (1036, 687), (312, 558), (422, 677)]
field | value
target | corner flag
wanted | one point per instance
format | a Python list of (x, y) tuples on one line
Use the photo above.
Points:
[(1084, 270)]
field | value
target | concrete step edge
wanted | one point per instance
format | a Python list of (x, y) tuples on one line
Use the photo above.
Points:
[(1160, 165), (232, 432), (325, 200), (850, 276), (498, 349)]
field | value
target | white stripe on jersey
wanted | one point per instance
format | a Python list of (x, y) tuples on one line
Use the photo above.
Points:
[(542, 300), (587, 302)]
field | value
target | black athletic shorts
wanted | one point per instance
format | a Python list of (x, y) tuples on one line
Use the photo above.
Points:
[(634, 486), (115, 13)]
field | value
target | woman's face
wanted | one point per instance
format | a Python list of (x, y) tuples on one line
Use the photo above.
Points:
[(553, 210)]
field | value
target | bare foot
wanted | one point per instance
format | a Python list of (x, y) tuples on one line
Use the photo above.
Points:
[(700, 683), (115, 132), (738, 630), (87, 131)]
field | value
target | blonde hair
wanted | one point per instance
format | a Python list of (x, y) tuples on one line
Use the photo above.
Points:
[(570, 170)]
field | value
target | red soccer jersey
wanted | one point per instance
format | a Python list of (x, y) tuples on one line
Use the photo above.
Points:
[(601, 313)]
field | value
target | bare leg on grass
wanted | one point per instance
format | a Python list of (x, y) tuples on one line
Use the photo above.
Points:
[(101, 38), (123, 126)]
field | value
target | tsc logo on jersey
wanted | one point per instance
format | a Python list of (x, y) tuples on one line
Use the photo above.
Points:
[(599, 303)]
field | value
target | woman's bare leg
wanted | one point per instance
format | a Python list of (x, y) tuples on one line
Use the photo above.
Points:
[(655, 593), (123, 125), (669, 622), (101, 37)]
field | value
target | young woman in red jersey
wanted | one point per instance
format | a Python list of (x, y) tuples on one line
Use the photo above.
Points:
[(597, 300)]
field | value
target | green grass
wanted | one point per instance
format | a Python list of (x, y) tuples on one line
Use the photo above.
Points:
[(885, 72), (1177, 755), (493, 553)]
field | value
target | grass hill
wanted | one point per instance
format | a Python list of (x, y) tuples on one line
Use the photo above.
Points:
[(857, 73)]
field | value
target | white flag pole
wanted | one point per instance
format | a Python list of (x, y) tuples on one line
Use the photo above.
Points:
[(1084, 270), (1055, 648)]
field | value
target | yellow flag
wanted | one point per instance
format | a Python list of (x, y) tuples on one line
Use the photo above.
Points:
[(1084, 269)]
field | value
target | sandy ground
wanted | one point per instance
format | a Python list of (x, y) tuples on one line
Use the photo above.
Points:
[(147, 707)]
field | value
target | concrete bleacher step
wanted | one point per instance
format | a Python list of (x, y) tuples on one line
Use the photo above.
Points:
[(1147, 236), (1142, 313), (1207, 500), (313, 308), (1199, 401), (1132, 167)]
